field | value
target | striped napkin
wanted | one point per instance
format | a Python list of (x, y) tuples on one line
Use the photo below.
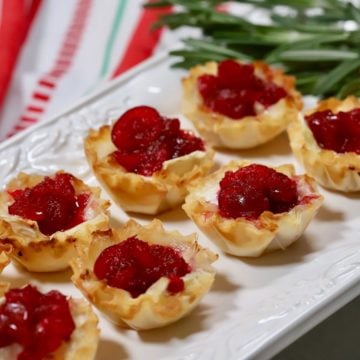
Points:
[(53, 52)]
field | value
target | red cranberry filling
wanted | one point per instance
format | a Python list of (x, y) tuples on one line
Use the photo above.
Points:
[(38, 322), (234, 91), (339, 132), (144, 140), (52, 204), (253, 189), (134, 265)]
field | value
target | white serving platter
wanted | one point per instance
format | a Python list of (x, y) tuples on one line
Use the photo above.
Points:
[(256, 306)]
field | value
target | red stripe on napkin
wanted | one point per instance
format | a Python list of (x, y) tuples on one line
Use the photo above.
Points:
[(47, 83), (143, 40), (16, 18)]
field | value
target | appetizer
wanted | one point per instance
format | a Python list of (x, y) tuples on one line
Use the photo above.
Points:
[(248, 209), (238, 105), (146, 161), (143, 277), (327, 143), (43, 217), (39, 326)]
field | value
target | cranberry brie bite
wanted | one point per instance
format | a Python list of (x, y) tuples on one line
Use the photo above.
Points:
[(248, 209), (146, 161), (327, 143), (143, 277), (238, 105), (43, 217), (38, 326)]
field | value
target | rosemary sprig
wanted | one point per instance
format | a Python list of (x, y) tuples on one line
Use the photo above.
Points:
[(312, 40)]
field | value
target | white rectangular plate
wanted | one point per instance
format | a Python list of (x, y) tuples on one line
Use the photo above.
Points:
[(256, 306)]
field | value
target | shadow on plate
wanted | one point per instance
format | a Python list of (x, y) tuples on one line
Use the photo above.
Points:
[(327, 214), (278, 146), (294, 254), (223, 284), (352, 196), (175, 215), (349, 195), (190, 325), (61, 277), (172, 216), (111, 350)]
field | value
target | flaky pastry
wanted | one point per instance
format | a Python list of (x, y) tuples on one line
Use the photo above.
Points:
[(39, 252), (247, 132), (156, 307), (338, 171), (84, 339), (4, 260), (164, 190), (252, 238)]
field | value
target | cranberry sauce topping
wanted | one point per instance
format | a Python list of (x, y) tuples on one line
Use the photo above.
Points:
[(144, 140), (38, 322), (339, 132), (134, 265), (52, 203), (234, 91), (253, 189)]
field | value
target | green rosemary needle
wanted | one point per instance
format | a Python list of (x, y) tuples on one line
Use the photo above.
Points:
[(317, 41)]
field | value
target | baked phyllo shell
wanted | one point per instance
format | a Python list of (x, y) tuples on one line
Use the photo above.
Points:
[(336, 171), (84, 339), (156, 307), (250, 131), (35, 251), (164, 190), (245, 237)]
